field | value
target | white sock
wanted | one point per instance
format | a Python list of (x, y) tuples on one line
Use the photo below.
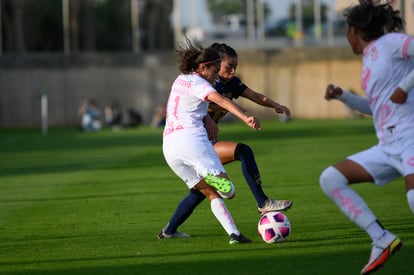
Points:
[(335, 186), (375, 231), (410, 199), (223, 215)]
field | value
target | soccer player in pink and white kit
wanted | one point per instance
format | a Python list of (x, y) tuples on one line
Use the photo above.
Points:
[(186, 146), (375, 31)]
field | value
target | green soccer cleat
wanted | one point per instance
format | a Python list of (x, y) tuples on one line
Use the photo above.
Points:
[(220, 184), (236, 239)]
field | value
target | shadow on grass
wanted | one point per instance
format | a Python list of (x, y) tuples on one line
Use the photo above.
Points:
[(337, 262)]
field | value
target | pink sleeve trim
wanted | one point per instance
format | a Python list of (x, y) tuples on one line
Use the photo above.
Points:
[(405, 47), (207, 94)]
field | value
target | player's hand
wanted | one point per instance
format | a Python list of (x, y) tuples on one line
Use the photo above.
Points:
[(211, 128), (253, 122), (281, 109), (399, 96), (332, 92)]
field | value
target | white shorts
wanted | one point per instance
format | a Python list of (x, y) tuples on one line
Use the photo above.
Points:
[(385, 167), (191, 157)]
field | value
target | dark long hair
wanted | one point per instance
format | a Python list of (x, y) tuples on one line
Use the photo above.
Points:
[(374, 19), (224, 49), (190, 56)]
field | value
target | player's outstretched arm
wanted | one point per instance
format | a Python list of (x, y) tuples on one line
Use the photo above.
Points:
[(235, 109), (265, 101), (353, 101)]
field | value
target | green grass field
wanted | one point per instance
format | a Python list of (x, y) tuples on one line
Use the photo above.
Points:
[(92, 203)]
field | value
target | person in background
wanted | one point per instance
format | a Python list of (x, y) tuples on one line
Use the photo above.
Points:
[(231, 87), (186, 146), (375, 31), (158, 119), (113, 115), (90, 116)]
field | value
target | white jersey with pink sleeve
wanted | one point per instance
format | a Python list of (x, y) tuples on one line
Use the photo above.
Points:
[(186, 146), (186, 105), (386, 62)]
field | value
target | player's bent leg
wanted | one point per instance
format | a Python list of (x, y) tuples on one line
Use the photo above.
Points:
[(409, 185), (335, 186), (225, 150), (245, 154), (410, 199), (222, 214), (183, 211)]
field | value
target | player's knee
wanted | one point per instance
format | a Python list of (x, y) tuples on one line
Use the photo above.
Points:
[(410, 199), (243, 151), (331, 179)]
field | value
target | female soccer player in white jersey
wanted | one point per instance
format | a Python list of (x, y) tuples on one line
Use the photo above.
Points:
[(231, 87), (186, 146), (375, 31)]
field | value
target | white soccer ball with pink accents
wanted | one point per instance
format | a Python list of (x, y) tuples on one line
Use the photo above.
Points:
[(274, 227)]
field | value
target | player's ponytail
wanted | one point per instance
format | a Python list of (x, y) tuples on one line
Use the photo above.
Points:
[(191, 56)]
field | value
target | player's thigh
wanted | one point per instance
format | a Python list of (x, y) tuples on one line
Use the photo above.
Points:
[(187, 173), (408, 167), (225, 150), (409, 182), (191, 161), (371, 165), (353, 172)]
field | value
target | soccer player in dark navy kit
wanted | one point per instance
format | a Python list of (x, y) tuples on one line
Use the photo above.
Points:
[(231, 87)]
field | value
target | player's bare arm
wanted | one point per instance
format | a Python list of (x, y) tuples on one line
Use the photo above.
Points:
[(235, 109), (211, 128), (265, 101)]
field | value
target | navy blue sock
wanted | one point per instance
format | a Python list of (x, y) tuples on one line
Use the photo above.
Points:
[(250, 171), (184, 210)]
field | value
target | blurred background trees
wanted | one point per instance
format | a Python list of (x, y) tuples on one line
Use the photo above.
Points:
[(73, 26), (95, 25)]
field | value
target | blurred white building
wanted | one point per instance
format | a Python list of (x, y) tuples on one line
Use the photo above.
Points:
[(409, 16)]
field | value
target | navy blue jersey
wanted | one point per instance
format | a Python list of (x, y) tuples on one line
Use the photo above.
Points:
[(232, 89)]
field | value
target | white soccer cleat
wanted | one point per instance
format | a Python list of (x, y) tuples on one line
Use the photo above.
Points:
[(381, 251), (163, 235), (274, 205)]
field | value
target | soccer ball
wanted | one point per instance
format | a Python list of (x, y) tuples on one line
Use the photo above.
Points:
[(274, 227)]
